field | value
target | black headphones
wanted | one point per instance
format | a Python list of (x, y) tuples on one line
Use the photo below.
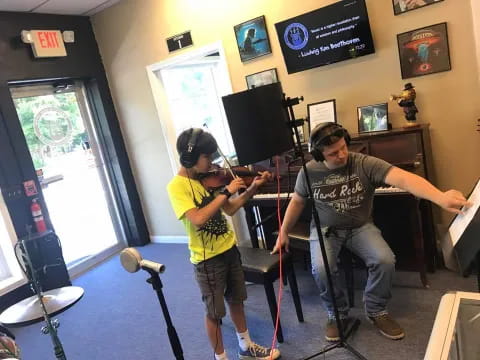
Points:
[(321, 133), (189, 158)]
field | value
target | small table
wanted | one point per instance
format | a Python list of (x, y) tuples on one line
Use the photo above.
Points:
[(456, 328)]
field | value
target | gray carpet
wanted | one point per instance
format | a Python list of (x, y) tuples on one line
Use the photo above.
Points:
[(120, 316)]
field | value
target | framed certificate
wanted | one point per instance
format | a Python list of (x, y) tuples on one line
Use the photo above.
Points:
[(320, 112)]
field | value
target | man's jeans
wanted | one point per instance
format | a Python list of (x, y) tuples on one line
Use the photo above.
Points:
[(367, 243)]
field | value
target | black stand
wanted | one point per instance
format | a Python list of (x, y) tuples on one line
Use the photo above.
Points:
[(344, 333), (156, 283), (51, 326)]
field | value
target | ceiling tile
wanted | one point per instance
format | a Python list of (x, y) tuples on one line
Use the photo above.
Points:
[(19, 5), (68, 7), (104, 6)]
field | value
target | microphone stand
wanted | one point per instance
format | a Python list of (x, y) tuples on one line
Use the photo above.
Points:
[(51, 326), (157, 285), (342, 343)]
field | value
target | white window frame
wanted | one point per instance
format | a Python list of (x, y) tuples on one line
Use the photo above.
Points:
[(161, 101), (17, 277)]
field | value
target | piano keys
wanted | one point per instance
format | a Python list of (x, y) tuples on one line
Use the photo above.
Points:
[(283, 195)]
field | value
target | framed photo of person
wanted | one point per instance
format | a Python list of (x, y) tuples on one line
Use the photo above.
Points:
[(424, 51), (372, 118), (262, 78), (252, 39), (321, 112), (403, 6)]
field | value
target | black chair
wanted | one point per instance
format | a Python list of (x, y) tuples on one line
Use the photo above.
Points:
[(262, 268), (299, 240)]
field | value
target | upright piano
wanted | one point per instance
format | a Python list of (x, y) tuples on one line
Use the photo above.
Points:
[(406, 222)]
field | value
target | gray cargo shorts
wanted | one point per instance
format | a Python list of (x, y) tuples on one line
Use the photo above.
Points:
[(221, 277)]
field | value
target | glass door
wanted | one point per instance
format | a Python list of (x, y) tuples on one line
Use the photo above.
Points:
[(71, 169)]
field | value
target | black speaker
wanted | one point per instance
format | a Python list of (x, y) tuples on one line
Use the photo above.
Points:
[(258, 123), (46, 256)]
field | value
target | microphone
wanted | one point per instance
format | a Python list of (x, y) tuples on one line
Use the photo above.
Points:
[(132, 262)]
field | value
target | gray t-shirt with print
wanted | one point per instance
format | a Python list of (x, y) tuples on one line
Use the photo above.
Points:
[(344, 196)]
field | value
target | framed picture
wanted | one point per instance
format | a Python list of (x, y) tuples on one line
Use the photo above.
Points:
[(403, 6), (372, 118), (262, 78), (252, 39), (320, 112), (424, 51)]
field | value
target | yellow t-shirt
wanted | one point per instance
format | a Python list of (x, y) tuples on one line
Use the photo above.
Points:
[(215, 236)]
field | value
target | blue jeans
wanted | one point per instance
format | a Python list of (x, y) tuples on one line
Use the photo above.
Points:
[(367, 243)]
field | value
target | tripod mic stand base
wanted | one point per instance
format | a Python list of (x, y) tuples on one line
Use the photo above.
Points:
[(342, 343)]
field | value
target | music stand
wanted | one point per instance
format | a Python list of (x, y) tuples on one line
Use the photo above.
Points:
[(463, 234), (344, 333)]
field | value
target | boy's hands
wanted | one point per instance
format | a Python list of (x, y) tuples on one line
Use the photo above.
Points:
[(263, 177), (235, 185)]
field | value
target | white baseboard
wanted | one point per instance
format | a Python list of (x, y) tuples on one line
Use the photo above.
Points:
[(169, 239)]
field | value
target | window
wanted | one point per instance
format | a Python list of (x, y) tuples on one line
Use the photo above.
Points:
[(11, 275)]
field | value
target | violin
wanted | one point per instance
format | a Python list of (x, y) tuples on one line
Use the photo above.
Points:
[(218, 177)]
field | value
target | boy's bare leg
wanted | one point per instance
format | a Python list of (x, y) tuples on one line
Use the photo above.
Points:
[(214, 333), (238, 317)]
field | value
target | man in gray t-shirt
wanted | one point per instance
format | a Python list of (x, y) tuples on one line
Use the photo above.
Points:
[(343, 185), (344, 196)]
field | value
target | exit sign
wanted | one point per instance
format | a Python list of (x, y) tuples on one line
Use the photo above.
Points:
[(47, 43)]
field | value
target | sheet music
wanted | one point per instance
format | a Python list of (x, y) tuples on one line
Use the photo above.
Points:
[(461, 221)]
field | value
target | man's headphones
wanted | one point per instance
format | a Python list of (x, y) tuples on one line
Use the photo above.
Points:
[(320, 137), (189, 158)]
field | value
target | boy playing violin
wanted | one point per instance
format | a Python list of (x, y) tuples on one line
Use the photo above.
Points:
[(213, 253)]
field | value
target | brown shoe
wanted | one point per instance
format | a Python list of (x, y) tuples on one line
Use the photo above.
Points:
[(387, 326), (331, 329)]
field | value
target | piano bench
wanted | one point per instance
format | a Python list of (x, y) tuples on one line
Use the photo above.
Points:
[(299, 238), (260, 267)]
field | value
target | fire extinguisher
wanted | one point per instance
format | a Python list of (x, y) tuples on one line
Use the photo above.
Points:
[(37, 216)]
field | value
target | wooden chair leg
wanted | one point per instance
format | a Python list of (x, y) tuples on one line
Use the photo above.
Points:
[(294, 288), (272, 303), (349, 281)]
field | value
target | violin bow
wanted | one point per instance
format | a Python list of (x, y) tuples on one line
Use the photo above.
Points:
[(227, 163)]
